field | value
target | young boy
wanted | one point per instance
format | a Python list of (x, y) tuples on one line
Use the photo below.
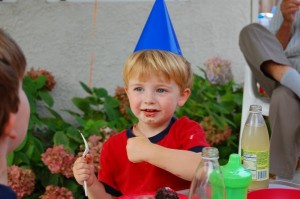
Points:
[(14, 106), (159, 150)]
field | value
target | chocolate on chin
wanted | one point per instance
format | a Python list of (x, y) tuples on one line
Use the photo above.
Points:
[(166, 193)]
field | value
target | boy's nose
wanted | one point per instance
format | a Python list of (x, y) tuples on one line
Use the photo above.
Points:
[(149, 98)]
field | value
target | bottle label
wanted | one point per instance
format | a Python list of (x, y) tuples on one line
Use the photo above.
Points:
[(257, 162)]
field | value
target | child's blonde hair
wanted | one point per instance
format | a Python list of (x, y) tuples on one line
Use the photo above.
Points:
[(171, 66)]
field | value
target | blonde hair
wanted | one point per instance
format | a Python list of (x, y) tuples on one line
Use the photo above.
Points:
[(158, 62)]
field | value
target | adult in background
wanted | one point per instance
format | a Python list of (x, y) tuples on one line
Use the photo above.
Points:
[(274, 58)]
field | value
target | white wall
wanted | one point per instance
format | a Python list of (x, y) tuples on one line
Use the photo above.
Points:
[(58, 37)]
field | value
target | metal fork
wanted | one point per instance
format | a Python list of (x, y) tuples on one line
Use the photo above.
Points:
[(86, 150)]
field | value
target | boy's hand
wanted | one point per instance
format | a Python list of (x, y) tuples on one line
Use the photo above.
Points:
[(138, 148), (83, 169)]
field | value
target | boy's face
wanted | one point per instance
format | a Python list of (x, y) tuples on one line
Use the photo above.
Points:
[(153, 100), (22, 119)]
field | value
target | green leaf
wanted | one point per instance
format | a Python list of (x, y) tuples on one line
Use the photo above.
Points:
[(72, 185), (93, 126), (46, 97), (113, 102), (10, 158), (93, 100), (54, 113), (80, 120), (40, 82), (38, 149), (21, 158), (23, 144), (53, 179), (32, 85), (100, 92), (28, 85), (60, 138), (30, 151), (32, 102), (32, 121), (73, 113), (86, 88), (111, 113), (82, 104), (73, 134)]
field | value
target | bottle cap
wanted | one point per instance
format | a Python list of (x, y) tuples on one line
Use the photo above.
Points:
[(235, 175), (210, 152), (255, 108)]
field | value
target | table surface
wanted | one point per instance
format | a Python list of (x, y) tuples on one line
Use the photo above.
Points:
[(283, 184), (272, 184)]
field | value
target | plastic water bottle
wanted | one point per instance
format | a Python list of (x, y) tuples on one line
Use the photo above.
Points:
[(236, 178), (255, 146), (208, 182)]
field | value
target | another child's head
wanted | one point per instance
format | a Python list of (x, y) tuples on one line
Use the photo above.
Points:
[(14, 120), (9, 89), (162, 63)]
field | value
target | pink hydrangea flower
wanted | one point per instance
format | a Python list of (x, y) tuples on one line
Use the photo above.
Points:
[(218, 70), (21, 180), (59, 160), (56, 192)]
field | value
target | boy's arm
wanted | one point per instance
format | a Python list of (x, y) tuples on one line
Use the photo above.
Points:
[(97, 190), (84, 171), (181, 163)]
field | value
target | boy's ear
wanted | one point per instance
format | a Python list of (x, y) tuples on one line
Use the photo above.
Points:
[(126, 89), (9, 126), (184, 97)]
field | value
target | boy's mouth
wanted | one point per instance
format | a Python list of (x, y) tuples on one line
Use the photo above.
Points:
[(150, 112)]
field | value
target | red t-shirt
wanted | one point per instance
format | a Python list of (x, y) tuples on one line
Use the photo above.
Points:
[(122, 177)]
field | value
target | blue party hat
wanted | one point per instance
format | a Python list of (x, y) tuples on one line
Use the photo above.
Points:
[(158, 33)]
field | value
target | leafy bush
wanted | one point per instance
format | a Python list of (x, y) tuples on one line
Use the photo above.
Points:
[(218, 109), (52, 144)]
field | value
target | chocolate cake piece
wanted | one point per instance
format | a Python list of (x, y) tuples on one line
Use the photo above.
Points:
[(166, 193)]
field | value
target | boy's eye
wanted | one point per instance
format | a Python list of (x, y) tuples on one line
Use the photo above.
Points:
[(161, 90), (138, 89)]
